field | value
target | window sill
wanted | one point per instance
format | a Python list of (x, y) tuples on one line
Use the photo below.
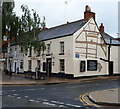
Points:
[(61, 53), (48, 54)]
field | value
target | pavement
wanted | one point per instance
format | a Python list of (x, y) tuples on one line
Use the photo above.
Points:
[(106, 97), (102, 97)]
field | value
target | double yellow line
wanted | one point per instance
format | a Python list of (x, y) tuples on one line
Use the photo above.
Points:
[(82, 99)]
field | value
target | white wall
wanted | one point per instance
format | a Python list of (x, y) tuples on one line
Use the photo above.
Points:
[(115, 58), (55, 50), (100, 52)]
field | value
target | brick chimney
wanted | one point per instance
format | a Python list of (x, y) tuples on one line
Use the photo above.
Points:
[(88, 14), (101, 28)]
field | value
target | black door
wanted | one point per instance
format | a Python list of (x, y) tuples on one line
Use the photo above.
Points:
[(49, 66), (15, 67), (111, 68)]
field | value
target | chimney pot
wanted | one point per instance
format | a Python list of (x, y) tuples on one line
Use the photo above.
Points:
[(88, 14), (101, 28)]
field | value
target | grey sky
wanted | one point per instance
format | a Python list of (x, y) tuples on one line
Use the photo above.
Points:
[(57, 13)]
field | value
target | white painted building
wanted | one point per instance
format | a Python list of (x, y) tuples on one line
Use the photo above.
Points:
[(15, 59), (75, 49)]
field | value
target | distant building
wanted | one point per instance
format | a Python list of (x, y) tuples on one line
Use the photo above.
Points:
[(75, 49)]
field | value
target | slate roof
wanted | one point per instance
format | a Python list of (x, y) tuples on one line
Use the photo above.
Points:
[(62, 30), (107, 38)]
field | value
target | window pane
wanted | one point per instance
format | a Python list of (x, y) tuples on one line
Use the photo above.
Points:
[(61, 47), (29, 64), (44, 66), (62, 65), (38, 64)]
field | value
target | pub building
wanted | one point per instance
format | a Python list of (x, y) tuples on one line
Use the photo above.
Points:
[(75, 49)]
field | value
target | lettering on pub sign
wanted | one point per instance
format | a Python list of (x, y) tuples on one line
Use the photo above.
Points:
[(92, 65)]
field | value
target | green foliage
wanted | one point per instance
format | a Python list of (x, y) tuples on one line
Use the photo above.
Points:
[(30, 24), (10, 22)]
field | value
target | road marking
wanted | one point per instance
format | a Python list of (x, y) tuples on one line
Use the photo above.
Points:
[(18, 97), (36, 101), (49, 103), (45, 100), (61, 106), (57, 102), (83, 100), (31, 100), (73, 105), (10, 96), (15, 94)]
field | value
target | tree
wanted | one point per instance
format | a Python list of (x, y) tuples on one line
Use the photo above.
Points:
[(30, 25), (10, 22)]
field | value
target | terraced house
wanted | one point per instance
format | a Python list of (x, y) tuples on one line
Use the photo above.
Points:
[(75, 49)]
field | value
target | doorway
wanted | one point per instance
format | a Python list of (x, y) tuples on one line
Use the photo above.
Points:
[(48, 67)]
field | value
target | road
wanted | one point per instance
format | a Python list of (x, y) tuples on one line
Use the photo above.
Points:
[(55, 95)]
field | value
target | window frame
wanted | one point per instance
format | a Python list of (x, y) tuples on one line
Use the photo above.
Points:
[(30, 65), (62, 65), (62, 48)]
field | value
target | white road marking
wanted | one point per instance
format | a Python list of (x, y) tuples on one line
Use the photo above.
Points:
[(48, 103), (36, 101), (45, 100), (10, 96), (15, 94), (31, 100), (57, 102), (18, 97), (73, 105), (61, 106), (13, 90)]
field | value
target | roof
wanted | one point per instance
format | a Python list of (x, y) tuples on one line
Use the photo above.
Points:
[(62, 30), (107, 39)]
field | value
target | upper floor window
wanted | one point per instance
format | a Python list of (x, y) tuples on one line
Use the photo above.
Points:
[(48, 48), (61, 47)]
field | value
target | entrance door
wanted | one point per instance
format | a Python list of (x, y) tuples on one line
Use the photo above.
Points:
[(111, 68), (49, 66), (15, 67)]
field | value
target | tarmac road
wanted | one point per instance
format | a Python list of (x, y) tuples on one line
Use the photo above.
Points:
[(56, 95)]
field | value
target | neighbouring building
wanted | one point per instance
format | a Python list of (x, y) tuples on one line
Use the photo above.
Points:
[(75, 49)]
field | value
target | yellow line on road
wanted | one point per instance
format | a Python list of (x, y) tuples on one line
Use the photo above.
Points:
[(81, 98)]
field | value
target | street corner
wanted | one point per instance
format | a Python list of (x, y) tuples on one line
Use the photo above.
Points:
[(86, 101), (105, 97)]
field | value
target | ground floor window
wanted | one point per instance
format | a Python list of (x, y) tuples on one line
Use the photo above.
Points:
[(29, 65), (21, 65), (62, 65), (38, 64), (44, 66)]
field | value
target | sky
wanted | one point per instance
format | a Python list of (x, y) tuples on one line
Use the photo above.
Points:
[(58, 12)]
